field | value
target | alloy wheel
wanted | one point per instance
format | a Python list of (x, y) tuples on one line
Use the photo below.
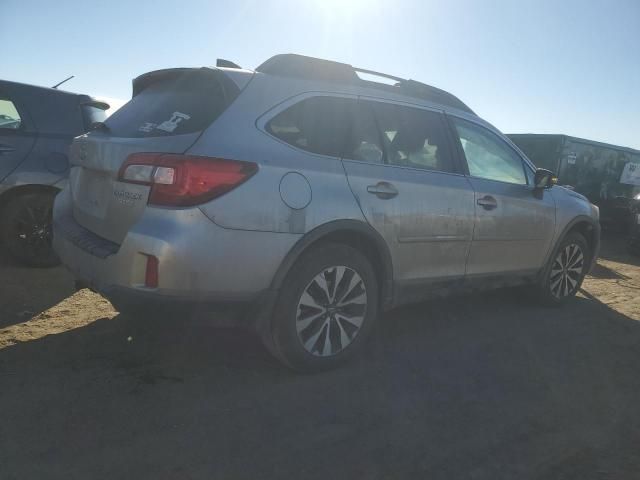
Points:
[(566, 271), (30, 230), (331, 311)]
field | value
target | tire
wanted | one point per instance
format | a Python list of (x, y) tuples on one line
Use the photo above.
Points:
[(26, 229), (566, 270), (326, 309)]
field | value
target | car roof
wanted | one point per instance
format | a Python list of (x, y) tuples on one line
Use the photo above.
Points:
[(25, 87), (48, 110), (309, 73), (316, 69)]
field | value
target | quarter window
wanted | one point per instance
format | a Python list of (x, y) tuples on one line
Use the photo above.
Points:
[(487, 155), (318, 124), (9, 117)]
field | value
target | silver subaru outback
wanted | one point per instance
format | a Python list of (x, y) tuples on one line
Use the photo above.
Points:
[(305, 197)]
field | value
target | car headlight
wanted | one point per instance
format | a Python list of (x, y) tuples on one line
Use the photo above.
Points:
[(637, 197), (595, 211)]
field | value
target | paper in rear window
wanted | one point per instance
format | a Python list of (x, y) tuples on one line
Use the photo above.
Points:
[(174, 104)]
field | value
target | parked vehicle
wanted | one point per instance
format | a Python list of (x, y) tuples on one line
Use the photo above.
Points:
[(601, 172), (37, 126), (313, 198), (634, 226)]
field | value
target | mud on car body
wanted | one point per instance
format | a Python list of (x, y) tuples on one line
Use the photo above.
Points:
[(312, 199)]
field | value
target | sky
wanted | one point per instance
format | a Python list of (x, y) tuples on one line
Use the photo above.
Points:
[(544, 66)]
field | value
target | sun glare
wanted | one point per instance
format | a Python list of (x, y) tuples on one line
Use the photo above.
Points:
[(343, 7)]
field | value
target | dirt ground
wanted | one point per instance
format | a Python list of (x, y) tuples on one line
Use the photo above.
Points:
[(477, 387)]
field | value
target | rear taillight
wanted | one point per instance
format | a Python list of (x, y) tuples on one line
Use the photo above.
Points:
[(184, 180)]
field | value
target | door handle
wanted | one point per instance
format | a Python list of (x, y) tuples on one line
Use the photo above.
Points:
[(487, 202), (383, 190), (6, 149)]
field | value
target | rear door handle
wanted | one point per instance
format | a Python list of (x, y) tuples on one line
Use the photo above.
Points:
[(487, 202), (383, 190), (6, 149)]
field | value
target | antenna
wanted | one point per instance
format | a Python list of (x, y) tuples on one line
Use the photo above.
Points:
[(65, 80)]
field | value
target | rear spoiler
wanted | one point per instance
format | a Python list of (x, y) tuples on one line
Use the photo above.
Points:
[(93, 102), (97, 104), (146, 79)]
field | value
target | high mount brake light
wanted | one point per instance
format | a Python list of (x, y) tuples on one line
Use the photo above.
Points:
[(184, 180)]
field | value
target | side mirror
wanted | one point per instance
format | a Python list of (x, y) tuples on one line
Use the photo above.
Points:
[(544, 179)]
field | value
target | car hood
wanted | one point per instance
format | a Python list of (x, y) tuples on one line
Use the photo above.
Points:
[(572, 193)]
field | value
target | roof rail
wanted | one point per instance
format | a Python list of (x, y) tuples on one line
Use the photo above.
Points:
[(293, 65), (377, 74)]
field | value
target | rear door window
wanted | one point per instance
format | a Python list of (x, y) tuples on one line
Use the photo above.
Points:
[(318, 124), (402, 136), (177, 103), (9, 116)]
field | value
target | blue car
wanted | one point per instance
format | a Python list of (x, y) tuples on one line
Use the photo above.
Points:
[(37, 125)]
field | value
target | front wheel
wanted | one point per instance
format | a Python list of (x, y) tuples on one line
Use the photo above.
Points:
[(564, 276), (327, 307)]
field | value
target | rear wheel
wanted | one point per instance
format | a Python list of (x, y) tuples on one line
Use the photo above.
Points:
[(327, 307), (564, 276), (26, 226)]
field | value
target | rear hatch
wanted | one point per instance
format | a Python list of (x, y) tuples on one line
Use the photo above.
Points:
[(168, 112)]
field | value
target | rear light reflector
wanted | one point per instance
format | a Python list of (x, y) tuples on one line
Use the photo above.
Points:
[(184, 180), (151, 272)]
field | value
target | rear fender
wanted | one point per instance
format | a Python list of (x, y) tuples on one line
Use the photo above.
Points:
[(315, 237)]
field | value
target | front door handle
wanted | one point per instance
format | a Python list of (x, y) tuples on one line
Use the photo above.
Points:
[(487, 202), (383, 190), (6, 149)]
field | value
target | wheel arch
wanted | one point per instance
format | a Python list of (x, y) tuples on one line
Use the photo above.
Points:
[(588, 228), (353, 233), (11, 193)]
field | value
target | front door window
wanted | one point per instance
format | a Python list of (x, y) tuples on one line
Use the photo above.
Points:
[(488, 156)]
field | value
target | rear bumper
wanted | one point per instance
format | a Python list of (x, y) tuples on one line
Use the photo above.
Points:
[(215, 310), (203, 268)]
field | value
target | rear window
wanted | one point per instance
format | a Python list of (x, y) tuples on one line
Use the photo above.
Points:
[(175, 104), (92, 114)]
